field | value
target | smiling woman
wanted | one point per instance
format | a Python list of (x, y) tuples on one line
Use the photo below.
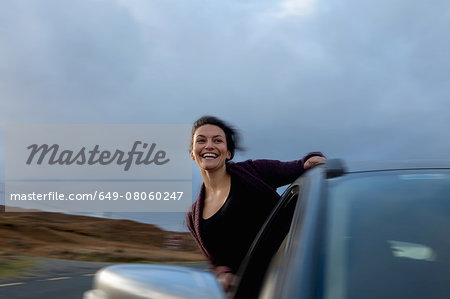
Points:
[(235, 198), (210, 147)]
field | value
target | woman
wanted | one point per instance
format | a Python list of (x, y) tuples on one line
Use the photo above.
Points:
[(235, 198)]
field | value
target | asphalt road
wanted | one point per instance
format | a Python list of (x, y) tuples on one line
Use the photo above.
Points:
[(67, 287), (54, 278)]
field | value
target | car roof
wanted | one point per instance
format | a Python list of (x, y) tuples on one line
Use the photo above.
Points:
[(340, 166)]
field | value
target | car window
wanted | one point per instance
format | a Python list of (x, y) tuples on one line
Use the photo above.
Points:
[(388, 236), (276, 270), (266, 245)]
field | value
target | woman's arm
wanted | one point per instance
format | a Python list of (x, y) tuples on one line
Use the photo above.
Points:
[(277, 173), (313, 161)]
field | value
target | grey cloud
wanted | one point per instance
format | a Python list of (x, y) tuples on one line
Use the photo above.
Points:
[(357, 79)]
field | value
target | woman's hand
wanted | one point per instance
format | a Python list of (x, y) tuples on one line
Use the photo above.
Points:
[(311, 162), (227, 280)]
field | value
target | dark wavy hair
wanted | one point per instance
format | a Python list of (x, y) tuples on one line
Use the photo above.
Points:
[(231, 134)]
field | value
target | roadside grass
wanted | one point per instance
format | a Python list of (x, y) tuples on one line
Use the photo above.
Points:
[(11, 266), (120, 256)]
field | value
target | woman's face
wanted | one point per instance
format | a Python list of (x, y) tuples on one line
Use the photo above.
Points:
[(209, 148)]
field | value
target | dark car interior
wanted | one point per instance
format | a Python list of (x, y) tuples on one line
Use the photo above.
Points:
[(266, 245)]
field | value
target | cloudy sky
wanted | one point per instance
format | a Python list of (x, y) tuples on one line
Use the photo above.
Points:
[(357, 79)]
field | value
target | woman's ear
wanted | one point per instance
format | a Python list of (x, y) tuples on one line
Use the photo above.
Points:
[(192, 155), (228, 155)]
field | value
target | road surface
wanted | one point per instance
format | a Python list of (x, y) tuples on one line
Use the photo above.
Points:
[(54, 278)]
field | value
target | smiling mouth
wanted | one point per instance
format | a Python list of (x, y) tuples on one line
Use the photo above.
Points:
[(209, 156)]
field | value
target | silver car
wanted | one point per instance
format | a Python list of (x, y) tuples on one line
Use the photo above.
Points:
[(341, 231)]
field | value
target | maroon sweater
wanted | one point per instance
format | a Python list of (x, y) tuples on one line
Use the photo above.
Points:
[(263, 176)]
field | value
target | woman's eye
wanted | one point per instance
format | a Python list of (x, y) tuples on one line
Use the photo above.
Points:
[(218, 140)]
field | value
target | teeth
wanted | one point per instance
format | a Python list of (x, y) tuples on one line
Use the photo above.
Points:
[(209, 156)]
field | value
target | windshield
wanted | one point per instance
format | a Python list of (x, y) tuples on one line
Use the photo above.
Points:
[(388, 235)]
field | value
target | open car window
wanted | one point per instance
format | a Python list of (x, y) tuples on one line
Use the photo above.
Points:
[(276, 270), (267, 243)]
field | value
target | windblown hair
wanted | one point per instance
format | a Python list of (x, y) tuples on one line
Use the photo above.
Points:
[(231, 134)]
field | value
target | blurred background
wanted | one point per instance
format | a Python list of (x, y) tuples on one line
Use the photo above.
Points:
[(355, 79)]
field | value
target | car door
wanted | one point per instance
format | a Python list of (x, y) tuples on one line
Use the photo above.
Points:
[(295, 269)]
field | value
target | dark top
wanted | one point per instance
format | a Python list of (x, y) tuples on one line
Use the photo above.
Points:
[(260, 178), (224, 232)]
